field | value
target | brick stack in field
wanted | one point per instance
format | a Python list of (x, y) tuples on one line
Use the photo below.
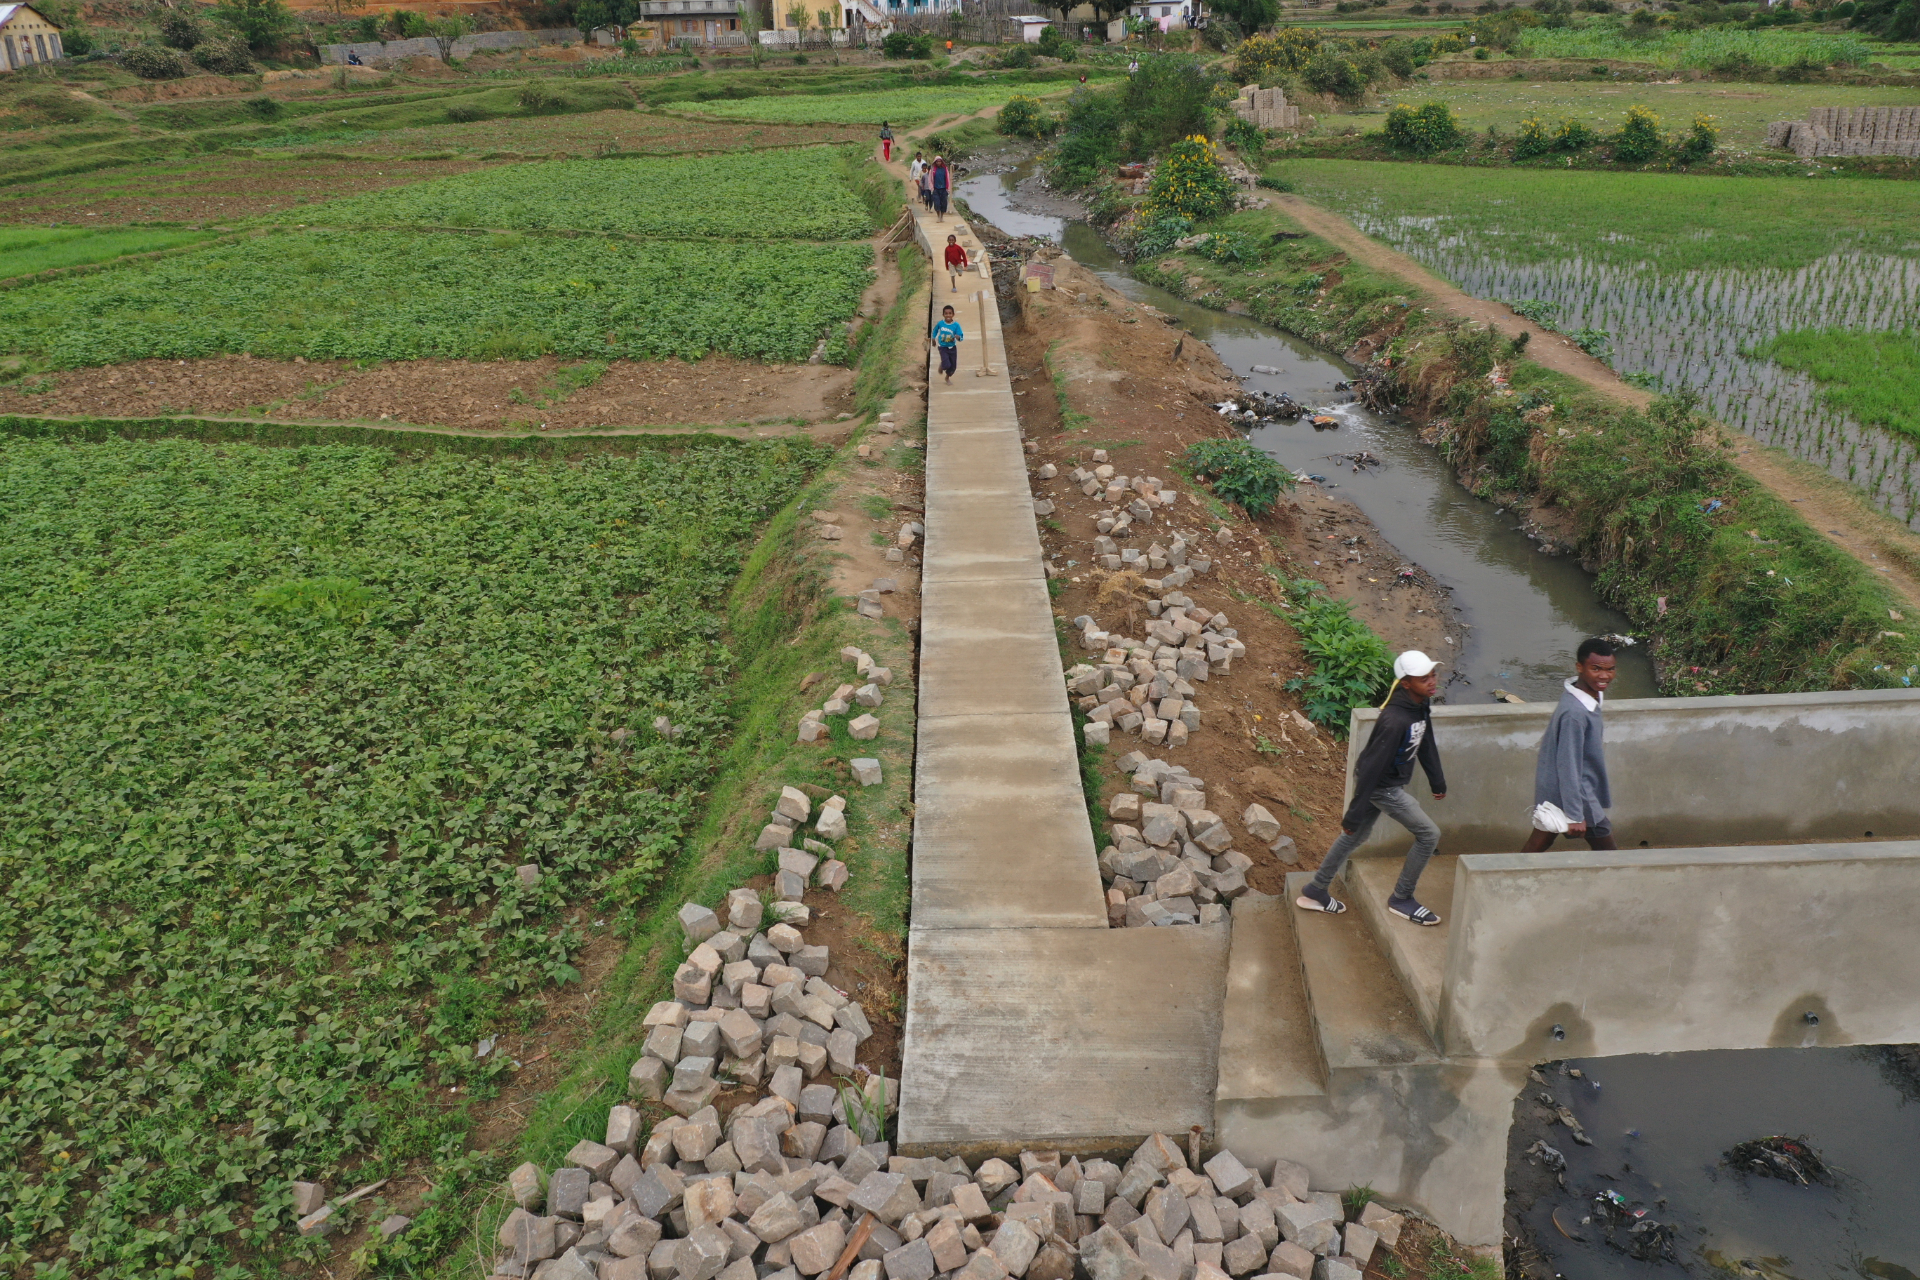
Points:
[(1850, 131), (1266, 108)]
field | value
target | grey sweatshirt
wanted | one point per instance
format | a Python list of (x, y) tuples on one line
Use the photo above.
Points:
[(1572, 770)]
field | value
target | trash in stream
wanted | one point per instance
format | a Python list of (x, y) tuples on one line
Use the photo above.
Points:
[(1788, 1159), (1358, 461), (1325, 422), (1258, 408), (1541, 1153), (1646, 1239)]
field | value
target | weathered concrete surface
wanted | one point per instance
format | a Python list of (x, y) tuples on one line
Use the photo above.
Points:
[(1767, 769), (1088, 1038), (1361, 1014), (1268, 1048), (1418, 953), (1663, 950)]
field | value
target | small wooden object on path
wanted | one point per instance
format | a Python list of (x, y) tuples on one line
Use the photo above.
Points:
[(855, 1243)]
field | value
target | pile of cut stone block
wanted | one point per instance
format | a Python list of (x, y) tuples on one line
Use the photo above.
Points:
[(1145, 687), (1128, 499), (782, 1192), (868, 694), (751, 1005), (1171, 860)]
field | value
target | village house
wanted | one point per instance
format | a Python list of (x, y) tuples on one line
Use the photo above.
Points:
[(26, 38)]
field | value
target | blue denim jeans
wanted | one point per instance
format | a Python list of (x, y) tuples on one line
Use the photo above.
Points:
[(1402, 808)]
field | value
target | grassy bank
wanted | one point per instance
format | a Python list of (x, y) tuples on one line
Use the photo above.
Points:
[(1739, 594)]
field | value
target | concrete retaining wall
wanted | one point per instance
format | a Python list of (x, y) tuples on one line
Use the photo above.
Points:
[(1658, 951), (1767, 769), (423, 47)]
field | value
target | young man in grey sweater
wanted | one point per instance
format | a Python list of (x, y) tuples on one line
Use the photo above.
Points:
[(1572, 770)]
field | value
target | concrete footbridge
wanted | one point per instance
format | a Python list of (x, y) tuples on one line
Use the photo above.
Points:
[(1764, 895)]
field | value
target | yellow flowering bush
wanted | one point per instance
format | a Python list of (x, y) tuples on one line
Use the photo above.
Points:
[(1189, 182)]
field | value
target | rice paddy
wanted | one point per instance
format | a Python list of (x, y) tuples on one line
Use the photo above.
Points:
[(1687, 299), (1702, 49)]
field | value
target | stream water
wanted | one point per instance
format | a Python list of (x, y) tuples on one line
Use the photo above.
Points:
[(1660, 1123), (1524, 611)]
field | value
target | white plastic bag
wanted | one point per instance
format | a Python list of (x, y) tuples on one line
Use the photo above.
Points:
[(1548, 817)]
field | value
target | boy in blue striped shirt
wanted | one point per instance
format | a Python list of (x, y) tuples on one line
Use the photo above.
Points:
[(947, 337)]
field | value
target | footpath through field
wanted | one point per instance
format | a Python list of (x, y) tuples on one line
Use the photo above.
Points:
[(1028, 1019), (1853, 530)]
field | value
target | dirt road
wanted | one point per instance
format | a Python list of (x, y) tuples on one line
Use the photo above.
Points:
[(1876, 541)]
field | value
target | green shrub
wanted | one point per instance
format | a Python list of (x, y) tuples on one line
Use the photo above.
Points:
[(1329, 73), (156, 62), (1190, 182), (179, 29), (1424, 130), (1240, 473), (1052, 44), (228, 56), (1160, 234), (1246, 137), (1232, 248), (466, 113), (1285, 52), (263, 24), (1699, 142), (1639, 138), (538, 97), (1024, 117), (1572, 136), (1534, 139), (902, 44), (1401, 57), (1352, 666), (1018, 58)]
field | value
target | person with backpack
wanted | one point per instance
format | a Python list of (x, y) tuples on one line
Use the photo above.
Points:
[(1401, 735), (1570, 792)]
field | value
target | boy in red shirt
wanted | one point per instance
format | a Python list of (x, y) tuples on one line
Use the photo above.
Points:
[(956, 261)]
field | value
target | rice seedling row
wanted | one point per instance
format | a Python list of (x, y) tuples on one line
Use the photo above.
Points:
[(795, 194), (1703, 328), (395, 295), (279, 725)]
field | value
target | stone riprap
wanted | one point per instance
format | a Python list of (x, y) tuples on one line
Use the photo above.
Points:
[(1145, 687), (853, 701), (784, 1190), (1171, 860), (751, 1006)]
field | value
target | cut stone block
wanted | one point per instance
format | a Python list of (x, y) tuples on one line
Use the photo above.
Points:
[(1289, 1259), (698, 923), (863, 728), (1383, 1222), (1358, 1242), (866, 771), (647, 1080), (816, 1250)]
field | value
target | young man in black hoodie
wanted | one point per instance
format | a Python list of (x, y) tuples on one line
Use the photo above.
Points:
[(1402, 734)]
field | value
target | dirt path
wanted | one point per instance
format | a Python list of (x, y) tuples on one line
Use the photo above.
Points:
[(1876, 541)]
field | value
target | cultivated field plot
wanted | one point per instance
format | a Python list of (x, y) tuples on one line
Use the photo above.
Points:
[(280, 725), (1688, 279), (583, 134), (25, 250), (897, 106), (796, 194), (1703, 49), (1742, 111)]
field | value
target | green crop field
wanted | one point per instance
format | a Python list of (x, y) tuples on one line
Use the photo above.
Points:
[(1683, 280), (797, 194), (396, 295), (1702, 49), (25, 250), (898, 106), (1742, 112), (1873, 377), (278, 725)]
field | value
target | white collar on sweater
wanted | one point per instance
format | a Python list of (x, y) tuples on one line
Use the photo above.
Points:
[(1591, 704)]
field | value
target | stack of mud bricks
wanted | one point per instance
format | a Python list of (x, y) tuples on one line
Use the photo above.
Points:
[(1266, 108), (1850, 131)]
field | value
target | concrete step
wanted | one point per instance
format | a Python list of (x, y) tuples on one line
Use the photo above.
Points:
[(1361, 1012), (1418, 954), (1267, 1044), (1086, 1038)]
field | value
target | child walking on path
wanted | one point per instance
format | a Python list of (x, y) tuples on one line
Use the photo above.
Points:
[(956, 262), (947, 336), (1402, 734), (886, 142), (1570, 793)]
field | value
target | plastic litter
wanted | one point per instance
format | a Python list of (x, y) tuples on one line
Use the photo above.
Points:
[(1551, 1157), (1777, 1156)]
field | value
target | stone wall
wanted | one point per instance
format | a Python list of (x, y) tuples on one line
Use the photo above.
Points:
[(1850, 131), (424, 47)]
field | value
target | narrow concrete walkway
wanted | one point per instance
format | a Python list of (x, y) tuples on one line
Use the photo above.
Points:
[(1028, 1019)]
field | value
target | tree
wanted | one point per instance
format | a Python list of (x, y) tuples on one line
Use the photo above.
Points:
[(751, 26), (261, 23), (799, 19), (1249, 15), (444, 31)]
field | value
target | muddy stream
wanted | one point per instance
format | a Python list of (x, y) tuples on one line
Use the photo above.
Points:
[(1660, 1124)]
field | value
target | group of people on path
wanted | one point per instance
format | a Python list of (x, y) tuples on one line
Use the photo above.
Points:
[(933, 180), (1570, 792)]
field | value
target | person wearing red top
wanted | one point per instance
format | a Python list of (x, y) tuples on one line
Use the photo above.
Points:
[(956, 261)]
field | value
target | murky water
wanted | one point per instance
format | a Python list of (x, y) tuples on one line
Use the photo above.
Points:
[(1660, 1125), (1525, 612), (1693, 329)]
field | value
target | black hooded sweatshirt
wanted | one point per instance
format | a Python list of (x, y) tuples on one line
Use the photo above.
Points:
[(1403, 731)]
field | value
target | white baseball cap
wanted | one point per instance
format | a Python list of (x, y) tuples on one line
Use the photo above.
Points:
[(1412, 663)]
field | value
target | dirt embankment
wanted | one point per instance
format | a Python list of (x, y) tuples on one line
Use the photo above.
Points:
[(1141, 391), (1876, 542)]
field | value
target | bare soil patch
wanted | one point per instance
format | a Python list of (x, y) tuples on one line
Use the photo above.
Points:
[(1145, 388), (510, 396), (1857, 532)]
